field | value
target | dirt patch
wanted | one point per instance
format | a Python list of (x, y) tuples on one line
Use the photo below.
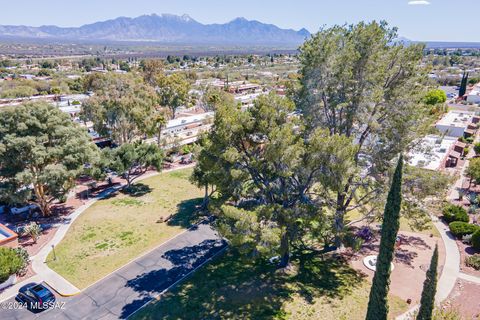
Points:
[(411, 261), (467, 251), (465, 297)]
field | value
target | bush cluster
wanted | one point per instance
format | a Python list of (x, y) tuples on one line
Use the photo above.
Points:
[(453, 212), (460, 228), (476, 239), (10, 263), (473, 261)]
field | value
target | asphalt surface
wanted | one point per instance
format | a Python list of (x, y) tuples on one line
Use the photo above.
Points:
[(122, 293)]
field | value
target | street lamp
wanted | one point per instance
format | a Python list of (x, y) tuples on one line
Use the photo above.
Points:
[(54, 255)]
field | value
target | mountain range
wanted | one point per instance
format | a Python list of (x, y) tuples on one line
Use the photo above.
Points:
[(165, 28)]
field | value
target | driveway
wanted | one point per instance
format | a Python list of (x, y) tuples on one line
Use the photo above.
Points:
[(123, 292)]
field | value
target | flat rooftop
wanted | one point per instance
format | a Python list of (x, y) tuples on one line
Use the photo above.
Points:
[(189, 119), (459, 119), (430, 151)]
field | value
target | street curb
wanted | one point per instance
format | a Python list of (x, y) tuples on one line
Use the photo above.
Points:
[(59, 293), (146, 253)]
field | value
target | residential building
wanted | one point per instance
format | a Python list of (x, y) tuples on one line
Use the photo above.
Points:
[(458, 123)]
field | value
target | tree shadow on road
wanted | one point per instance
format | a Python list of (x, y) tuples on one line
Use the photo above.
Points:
[(179, 263), (236, 287)]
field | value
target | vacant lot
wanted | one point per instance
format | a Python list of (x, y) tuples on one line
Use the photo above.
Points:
[(113, 231), (233, 288)]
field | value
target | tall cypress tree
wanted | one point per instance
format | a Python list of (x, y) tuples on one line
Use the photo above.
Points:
[(427, 301), (463, 85), (378, 300)]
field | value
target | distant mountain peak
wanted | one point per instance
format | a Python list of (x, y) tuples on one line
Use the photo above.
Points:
[(186, 17), (166, 28)]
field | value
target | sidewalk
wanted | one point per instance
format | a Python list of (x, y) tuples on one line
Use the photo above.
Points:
[(450, 272), (39, 266)]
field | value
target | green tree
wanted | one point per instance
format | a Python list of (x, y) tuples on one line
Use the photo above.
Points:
[(124, 66), (435, 96), (213, 97), (152, 69), (358, 82), (427, 302), (476, 148), (378, 300), (463, 84), (173, 92), (473, 171), (269, 172), (131, 160), (156, 124), (121, 108), (42, 151)]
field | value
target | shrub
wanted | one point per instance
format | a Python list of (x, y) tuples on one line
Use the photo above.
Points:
[(460, 229), (10, 263), (33, 230), (476, 147), (454, 213), (473, 261), (23, 254), (476, 239)]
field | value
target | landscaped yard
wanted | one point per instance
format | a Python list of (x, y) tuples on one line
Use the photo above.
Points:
[(428, 229), (113, 231), (233, 288)]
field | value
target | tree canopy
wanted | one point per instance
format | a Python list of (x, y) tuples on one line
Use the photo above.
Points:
[(41, 152), (173, 91), (358, 82), (435, 96), (121, 107), (273, 170), (131, 160)]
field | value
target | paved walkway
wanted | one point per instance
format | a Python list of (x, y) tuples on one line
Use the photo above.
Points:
[(47, 275), (469, 277), (128, 289), (450, 271)]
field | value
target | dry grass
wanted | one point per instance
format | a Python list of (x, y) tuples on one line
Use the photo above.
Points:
[(114, 231)]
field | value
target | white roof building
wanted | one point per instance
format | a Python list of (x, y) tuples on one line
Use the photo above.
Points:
[(456, 123), (474, 95), (430, 152)]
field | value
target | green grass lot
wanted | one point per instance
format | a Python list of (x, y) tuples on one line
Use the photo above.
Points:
[(233, 288), (114, 231)]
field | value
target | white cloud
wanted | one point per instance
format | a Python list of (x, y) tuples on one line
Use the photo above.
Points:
[(419, 2)]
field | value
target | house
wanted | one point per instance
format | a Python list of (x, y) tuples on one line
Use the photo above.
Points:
[(432, 151), (458, 123), (474, 95)]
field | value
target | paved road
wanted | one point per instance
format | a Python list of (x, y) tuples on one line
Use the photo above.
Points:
[(126, 290)]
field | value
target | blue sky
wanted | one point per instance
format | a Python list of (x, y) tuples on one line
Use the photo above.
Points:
[(447, 20)]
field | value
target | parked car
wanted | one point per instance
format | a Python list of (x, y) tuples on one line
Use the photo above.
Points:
[(36, 296)]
